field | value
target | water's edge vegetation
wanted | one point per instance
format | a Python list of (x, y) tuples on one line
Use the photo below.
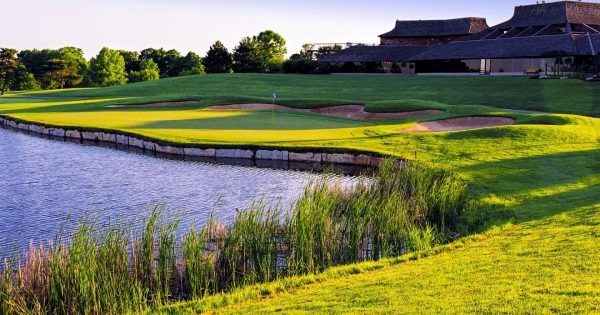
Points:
[(406, 207)]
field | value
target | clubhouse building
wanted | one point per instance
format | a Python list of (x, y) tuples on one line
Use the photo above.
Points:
[(539, 38)]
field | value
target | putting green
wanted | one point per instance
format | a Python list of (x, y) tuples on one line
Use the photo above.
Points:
[(537, 217)]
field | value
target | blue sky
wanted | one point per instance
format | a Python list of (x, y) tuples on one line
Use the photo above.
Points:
[(195, 24)]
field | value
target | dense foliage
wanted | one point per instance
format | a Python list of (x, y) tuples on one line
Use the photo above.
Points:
[(271, 49), (108, 68), (191, 64), (246, 57), (306, 61), (8, 67), (148, 70), (218, 59), (53, 69), (67, 67), (299, 64)]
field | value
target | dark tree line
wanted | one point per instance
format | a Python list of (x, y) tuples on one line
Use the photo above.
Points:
[(67, 68), (264, 53), (306, 62)]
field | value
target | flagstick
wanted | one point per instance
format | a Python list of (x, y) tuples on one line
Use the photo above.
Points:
[(273, 110)]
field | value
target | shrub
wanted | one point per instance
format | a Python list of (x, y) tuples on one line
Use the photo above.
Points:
[(299, 64), (148, 71)]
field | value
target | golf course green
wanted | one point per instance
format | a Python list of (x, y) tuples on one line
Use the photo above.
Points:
[(535, 242)]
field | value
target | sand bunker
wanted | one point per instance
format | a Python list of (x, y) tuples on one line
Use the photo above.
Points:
[(461, 123), (161, 104), (343, 111)]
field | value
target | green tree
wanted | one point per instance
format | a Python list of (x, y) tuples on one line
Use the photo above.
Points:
[(107, 68), (9, 63), (35, 60), (218, 59), (132, 60), (61, 73), (148, 71), (271, 47), (191, 64), (173, 63), (299, 63), (77, 62), (246, 56), (328, 50), (158, 56), (24, 81), (306, 51), (169, 62), (55, 68)]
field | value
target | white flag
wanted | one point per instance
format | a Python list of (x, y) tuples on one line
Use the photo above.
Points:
[(274, 96)]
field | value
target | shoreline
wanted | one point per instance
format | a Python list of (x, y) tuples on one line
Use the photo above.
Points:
[(216, 152)]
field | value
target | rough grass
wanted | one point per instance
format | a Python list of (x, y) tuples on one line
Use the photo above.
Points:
[(404, 208), (540, 176)]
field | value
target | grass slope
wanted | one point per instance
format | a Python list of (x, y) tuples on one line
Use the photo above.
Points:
[(540, 181), (378, 92)]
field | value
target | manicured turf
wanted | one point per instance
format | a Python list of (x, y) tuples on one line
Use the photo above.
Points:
[(377, 91), (539, 180)]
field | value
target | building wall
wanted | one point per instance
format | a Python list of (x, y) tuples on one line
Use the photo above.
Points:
[(417, 41), (508, 66), (399, 67), (522, 64), (513, 65)]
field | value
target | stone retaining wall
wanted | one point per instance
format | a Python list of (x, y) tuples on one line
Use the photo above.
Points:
[(259, 154)]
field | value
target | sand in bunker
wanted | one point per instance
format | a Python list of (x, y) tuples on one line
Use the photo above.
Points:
[(343, 111), (161, 104), (461, 123)]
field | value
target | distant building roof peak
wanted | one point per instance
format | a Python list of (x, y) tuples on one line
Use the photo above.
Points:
[(428, 28)]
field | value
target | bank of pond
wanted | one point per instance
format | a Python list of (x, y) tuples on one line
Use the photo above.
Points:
[(115, 268), (50, 184)]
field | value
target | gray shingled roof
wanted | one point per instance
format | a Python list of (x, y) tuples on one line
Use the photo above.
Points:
[(518, 47), (588, 45), (562, 12), (521, 42), (375, 54), (429, 28)]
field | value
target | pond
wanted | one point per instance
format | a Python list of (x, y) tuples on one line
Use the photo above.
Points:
[(49, 185)]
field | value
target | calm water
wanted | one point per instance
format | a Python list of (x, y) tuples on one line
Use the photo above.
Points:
[(49, 184)]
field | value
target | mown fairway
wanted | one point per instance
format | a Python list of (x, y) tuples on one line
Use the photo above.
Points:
[(539, 180)]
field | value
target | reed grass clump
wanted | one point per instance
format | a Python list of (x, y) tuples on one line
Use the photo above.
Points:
[(404, 207)]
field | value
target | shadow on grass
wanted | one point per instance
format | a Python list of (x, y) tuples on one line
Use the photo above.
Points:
[(37, 106), (542, 186), (562, 202)]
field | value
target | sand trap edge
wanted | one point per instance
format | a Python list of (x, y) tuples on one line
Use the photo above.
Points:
[(341, 111), (460, 124)]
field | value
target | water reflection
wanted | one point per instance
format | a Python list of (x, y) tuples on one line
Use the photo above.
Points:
[(45, 184)]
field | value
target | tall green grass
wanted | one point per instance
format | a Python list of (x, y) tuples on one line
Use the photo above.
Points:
[(403, 207)]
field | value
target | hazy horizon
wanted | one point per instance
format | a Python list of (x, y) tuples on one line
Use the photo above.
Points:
[(188, 25)]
